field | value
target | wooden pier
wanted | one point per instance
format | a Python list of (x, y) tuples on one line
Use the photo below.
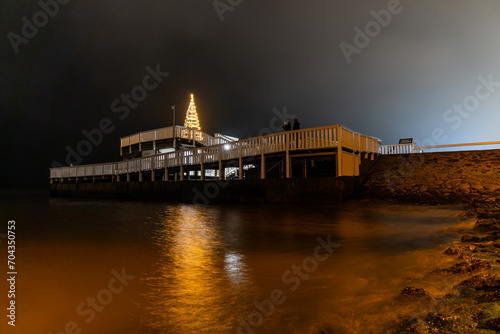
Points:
[(287, 154)]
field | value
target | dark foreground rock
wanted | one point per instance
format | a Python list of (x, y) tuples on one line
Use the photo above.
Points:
[(467, 267), (487, 225), (481, 282), (470, 238), (457, 250), (414, 293)]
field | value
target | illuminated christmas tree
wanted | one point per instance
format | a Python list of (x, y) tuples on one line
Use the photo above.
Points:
[(192, 120)]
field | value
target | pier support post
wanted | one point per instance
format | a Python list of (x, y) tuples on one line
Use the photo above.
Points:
[(305, 168), (240, 168), (221, 171), (117, 177), (262, 166), (128, 177), (339, 161), (288, 168), (182, 173), (140, 176), (339, 151), (152, 175), (202, 171), (166, 174)]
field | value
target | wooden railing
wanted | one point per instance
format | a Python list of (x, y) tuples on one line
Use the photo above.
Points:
[(412, 148), (397, 149), (168, 132), (330, 137)]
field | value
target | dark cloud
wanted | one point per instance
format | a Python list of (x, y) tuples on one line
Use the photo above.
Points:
[(263, 55)]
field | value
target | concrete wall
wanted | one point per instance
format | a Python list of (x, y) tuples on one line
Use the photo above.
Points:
[(327, 189), (436, 177)]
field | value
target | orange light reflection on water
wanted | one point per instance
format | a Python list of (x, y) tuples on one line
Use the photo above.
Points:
[(196, 275)]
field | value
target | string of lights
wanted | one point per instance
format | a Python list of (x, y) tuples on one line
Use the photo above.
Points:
[(192, 120)]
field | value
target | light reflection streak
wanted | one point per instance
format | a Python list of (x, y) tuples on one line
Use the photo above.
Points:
[(235, 268), (198, 283)]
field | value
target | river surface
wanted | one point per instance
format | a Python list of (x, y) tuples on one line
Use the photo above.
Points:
[(87, 266)]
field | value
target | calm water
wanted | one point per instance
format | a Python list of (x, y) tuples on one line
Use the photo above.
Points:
[(213, 269)]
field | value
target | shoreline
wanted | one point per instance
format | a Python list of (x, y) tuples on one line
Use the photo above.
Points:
[(469, 304)]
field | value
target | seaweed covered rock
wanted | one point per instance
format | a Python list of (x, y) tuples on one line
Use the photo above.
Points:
[(493, 324), (489, 297), (490, 318)]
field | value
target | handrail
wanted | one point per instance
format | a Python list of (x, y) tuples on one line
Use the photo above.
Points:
[(458, 145), (398, 149), (312, 138), (412, 148), (168, 132)]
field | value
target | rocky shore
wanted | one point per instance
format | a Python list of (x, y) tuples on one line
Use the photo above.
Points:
[(471, 302)]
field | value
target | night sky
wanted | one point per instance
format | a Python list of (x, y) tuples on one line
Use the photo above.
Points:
[(399, 78)]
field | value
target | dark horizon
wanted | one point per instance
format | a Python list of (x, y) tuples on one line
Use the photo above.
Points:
[(388, 69)]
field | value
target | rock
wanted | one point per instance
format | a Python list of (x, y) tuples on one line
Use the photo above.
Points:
[(491, 187), (470, 238), (493, 325), (480, 282), (477, 186), (465, 267), (412, 292), (436, 319), (489, 297), (490, 238), (490, 318), (326, 330), (423, 189), (456, 250), (464, 188), (410, 330), (486, 213), (485, 227), (408, 325)]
